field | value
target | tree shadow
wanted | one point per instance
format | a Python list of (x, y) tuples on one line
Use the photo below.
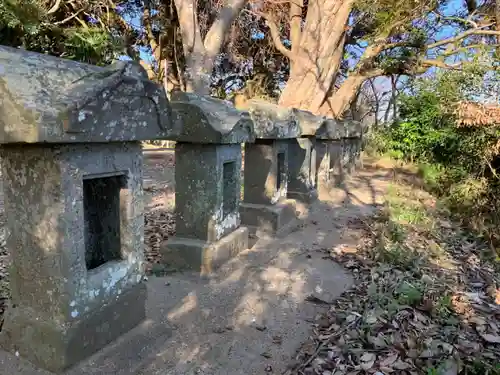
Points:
[(253, 314)]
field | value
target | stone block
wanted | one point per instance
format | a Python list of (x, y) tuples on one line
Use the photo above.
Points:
[(266, 171), (272, 121), (351, 154), (302, 170), (75, 233), (339, 129), (202, 256), (265, 219), (208, 191)]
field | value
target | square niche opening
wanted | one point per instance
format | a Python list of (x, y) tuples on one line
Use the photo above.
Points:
[(230, 188), (103, 197), (280, 171)]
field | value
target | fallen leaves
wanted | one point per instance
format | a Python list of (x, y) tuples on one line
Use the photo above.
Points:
[(367, 361), (425, 302), (159, 225)]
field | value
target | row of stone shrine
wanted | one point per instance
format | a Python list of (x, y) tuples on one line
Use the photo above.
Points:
[(72, 169)]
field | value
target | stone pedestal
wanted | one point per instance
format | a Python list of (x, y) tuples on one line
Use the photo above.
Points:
[(75, 233), (351, 154), (302, 170), (329, 163), (265, 208), (207, 199), (208, 184)]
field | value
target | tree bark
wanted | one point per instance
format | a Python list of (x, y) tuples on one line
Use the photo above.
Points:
[(200, 54), (295, 27), (318, 57), (339, 102)]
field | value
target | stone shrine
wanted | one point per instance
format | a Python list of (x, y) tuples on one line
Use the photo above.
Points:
[(208, 183), (72, 170), (266, 208)]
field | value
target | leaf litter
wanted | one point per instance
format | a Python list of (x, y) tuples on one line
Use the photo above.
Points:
[(426, 298)]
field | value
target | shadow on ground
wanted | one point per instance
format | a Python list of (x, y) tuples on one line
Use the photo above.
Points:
[(256, 312)]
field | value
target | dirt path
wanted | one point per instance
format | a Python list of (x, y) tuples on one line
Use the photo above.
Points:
[(253, 316)]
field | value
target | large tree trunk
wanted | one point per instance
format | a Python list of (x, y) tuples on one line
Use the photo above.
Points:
[(200, 54), (340, 100), (318, 57)]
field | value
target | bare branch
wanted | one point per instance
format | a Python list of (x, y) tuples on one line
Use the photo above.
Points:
[(55, 8), (462, 36), (68, 18), (216, 34), (189, 26), (295, 23), (427, 63), (275, 35), (149, 32)]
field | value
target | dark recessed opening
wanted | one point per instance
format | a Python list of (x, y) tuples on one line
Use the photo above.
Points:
[(101, 211), (280, 171), (230, 188)]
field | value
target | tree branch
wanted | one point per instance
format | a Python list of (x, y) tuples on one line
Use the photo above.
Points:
[(55, 8), (216, 34), (189, 26), (462, 36), (276, 36), (146, 19), (68, 18), (295, 23)]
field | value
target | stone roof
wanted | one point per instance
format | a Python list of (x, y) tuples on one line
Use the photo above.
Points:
[(272, 121), (203, 119), (49, 99)]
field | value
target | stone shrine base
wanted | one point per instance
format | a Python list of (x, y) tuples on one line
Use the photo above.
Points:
[(268, 219), (57, 348), (309, 196), (187, 253)]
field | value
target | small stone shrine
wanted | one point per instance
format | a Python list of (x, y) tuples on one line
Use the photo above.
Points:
[(265, 206), (208, 183), (71, 164), (337, 151), (302, 184)]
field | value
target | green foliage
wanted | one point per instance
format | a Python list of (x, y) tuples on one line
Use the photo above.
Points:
[(460, 164), (26, 24)]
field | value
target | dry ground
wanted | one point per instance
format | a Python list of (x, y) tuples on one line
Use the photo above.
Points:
[(425, 299)]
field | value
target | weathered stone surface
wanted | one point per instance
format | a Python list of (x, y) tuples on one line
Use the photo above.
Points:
[(266, 186), (60, 229), (351, 154), (207, 200), (272, 121), (335, 129), (201, 256), (203, 119), (266, 171), (327, 128), (266, 219), (329, 166), (48, 99), (208, 186), (302, 169), (309, 123)]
